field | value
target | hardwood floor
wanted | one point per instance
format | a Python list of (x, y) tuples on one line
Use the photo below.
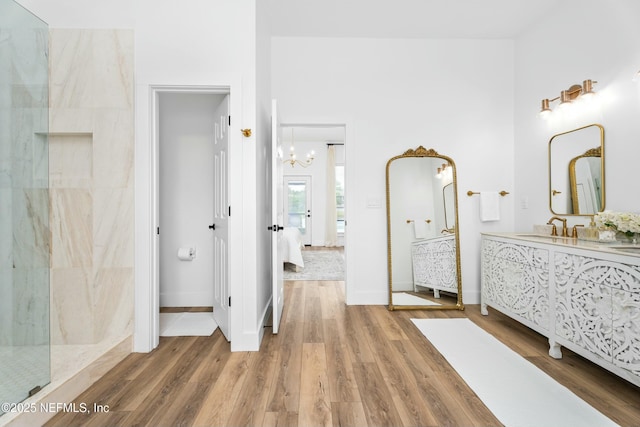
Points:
[(332, 365)]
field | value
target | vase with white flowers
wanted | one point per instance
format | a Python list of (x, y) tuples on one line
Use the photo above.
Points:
[(625, 223)]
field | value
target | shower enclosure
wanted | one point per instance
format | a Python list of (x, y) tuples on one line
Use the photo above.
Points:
[(24, 204)]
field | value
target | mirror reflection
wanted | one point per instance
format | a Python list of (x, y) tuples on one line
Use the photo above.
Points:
[(422, 231), (576, 171)]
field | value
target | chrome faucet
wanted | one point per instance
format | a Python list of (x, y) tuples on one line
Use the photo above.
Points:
[(554, 230)]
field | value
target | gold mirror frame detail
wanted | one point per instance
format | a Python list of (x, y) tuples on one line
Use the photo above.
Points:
[(593, 152), (423, 152), (570, 172)]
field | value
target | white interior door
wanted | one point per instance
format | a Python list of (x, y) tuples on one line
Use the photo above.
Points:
[(219, 228), (277, 219)]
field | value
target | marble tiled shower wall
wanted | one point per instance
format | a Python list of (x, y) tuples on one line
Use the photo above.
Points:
[(91, 143)]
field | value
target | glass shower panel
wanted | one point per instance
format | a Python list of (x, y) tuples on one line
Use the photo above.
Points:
[(24, 204)]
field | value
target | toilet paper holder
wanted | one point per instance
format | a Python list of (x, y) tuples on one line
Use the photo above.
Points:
[(186, 254)]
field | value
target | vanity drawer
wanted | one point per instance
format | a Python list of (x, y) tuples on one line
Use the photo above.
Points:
[(522, 254), (581, 268)]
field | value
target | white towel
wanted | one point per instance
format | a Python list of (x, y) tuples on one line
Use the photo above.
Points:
[(489, 206), (420, 229)]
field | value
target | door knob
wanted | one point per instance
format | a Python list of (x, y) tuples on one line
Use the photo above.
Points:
[(275, 228), (212, 227)]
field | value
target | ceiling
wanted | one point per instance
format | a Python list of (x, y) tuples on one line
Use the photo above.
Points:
[(406, 18), (474, 19)]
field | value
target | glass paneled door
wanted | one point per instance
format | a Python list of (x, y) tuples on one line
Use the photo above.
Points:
[(24, 205), (298, 205)]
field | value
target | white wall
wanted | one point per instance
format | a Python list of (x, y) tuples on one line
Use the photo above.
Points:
[(186, 197), (455, 96), (213, 43), (591, 39)]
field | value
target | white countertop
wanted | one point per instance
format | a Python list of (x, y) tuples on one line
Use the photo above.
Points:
[(434, 239), (616, 247)]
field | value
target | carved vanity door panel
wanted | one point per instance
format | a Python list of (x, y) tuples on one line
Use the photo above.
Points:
[(446, 265), (626, 319), (434, 264), (583, 303), (515, 278), (423, 264)]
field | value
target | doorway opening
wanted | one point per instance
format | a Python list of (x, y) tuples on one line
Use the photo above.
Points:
[(186, 124), (190, 200), (315, 200)]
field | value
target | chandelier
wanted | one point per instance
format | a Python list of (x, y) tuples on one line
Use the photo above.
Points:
[(292, 160)]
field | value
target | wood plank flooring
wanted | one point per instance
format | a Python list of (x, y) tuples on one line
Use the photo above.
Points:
[(331, 365)]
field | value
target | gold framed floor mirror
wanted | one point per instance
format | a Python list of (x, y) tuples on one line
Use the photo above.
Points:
[(423, 242)]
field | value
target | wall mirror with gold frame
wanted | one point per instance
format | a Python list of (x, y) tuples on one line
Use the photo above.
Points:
[(576, 171), (422, 232)]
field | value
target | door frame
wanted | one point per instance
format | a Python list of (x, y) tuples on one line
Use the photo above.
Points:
[(147, 286), (351, 291)]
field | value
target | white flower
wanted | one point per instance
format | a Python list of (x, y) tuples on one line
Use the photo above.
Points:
[(621, 221)]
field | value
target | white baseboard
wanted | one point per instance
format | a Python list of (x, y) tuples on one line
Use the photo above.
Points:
[(186, 299)]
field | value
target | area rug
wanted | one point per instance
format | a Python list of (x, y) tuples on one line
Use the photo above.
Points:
[(319, 265), (516, 391), (187, 324), (403, 298)]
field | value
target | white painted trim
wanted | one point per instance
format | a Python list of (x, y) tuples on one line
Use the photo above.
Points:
[(147, 301), (349, 203), (184, 299)]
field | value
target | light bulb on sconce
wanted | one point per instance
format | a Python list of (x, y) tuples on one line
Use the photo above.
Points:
[(545, 111), (565, 99), (587, 90), (439, 174)]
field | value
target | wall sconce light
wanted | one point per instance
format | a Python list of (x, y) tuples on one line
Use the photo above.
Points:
[(444, 171), (568, 96), (636, 78)]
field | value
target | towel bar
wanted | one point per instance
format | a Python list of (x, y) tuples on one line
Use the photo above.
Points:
[(471, 193)]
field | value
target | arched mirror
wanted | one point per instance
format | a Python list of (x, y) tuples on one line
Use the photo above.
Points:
[(422, 232), (576, 171)]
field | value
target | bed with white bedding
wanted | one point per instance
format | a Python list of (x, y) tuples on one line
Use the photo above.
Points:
[(292, 247)]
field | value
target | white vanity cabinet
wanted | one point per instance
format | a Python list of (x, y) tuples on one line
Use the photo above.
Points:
[(434, 264), (581, 295), (516, 279)]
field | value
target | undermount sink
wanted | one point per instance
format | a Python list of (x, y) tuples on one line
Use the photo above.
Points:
[(547, 236)]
